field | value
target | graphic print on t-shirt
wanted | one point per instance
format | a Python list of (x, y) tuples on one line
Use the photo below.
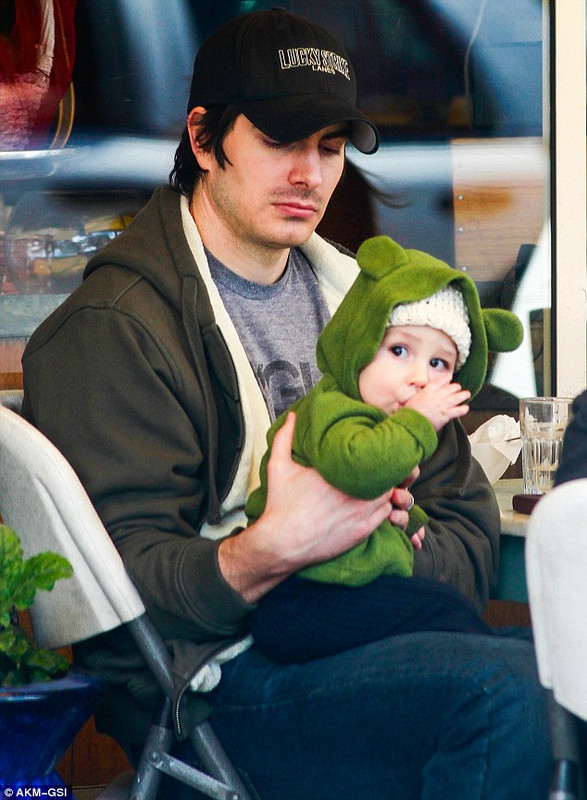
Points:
[(282, 383)]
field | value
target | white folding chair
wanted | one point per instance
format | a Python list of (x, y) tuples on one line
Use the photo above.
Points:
[(42, 498), (556, 569)]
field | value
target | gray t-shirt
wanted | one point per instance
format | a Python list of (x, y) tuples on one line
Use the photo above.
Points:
[(278, 326)]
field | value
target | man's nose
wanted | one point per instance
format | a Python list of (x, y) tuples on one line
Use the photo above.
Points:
[(306, 168)]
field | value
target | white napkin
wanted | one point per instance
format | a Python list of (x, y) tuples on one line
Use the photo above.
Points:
[(496, 444)]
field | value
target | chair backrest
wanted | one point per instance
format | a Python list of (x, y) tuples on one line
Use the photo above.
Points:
[(556, 569), (42, 498)]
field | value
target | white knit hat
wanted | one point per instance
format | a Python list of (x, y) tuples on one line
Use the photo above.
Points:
[(446, 311)]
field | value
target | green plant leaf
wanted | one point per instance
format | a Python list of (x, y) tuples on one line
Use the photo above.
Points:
[(15, 645), (5, 619), (10, 553), (40, 571), (21, 661), (11, 565), (12, 678), (47, 568), (47, 662), (7, 639)]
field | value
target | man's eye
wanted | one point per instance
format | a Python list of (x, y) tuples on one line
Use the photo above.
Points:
[(273, 145), (332, 150)]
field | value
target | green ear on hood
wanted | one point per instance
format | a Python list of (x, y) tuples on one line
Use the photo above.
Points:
[(390, 275), (503, 330), (379, 256)]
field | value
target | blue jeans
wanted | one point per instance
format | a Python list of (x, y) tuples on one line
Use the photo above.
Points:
[(423, 715)]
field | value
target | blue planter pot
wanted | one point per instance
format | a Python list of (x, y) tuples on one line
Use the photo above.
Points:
[(38, 723)]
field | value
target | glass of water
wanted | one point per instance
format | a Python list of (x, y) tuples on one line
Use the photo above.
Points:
[(543, 421)]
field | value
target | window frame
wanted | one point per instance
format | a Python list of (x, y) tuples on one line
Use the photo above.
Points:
[(565, 109)]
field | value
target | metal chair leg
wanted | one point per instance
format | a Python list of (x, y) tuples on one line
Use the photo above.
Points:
[(215, 760), (566, 778)]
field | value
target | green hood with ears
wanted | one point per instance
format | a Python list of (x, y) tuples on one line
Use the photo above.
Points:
[(389, 276)]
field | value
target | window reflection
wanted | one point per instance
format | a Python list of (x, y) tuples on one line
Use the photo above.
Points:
[(454, 85)]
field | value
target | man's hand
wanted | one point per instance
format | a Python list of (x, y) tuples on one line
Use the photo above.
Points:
[(402, 501), (418, 538), (306, 521)]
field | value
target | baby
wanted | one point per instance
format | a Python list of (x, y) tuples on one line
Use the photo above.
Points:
[(388, 356)]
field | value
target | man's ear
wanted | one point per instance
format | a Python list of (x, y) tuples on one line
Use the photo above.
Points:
[(194, 128)]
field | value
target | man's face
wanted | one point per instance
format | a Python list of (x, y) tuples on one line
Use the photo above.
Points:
[(271, 195)]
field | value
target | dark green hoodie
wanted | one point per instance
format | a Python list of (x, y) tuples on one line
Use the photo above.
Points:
[(135, 381), (356, 447)]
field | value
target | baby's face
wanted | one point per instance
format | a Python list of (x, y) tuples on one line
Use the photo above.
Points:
[(408, 358)]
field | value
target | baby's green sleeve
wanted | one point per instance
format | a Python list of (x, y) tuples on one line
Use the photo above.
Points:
[(418, 517)]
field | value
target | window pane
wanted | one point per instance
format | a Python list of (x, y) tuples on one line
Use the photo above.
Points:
[(454, 85)]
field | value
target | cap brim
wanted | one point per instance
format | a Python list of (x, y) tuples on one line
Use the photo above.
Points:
[(289, 119)]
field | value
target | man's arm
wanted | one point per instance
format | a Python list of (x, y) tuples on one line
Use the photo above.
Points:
[(101, 387), (305, 521)]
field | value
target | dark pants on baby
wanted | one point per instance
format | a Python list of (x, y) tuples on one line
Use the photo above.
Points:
[(302, 619)]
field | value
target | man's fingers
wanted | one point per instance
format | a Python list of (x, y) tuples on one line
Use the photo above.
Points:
[(399, 517), (414, 474), (283, 442)]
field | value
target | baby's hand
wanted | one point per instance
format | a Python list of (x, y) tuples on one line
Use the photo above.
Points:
[(418, 538), (440, 402)]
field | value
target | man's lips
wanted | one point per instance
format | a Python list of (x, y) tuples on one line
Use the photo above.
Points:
[(296, 208)]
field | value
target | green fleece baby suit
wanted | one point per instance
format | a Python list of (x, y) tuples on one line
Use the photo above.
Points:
[(356, 447)]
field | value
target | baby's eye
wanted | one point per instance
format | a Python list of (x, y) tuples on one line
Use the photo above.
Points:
[(439, 364), (399, 350)]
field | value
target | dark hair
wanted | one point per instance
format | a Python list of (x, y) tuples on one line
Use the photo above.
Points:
[(217, 122)]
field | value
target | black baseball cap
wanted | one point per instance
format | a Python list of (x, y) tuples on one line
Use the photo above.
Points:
[(287, 75)]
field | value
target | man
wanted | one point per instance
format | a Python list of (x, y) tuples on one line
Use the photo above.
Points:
[(158, 379)]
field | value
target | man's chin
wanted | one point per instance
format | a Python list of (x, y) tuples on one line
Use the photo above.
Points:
[(298, 235), (286, 242)]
